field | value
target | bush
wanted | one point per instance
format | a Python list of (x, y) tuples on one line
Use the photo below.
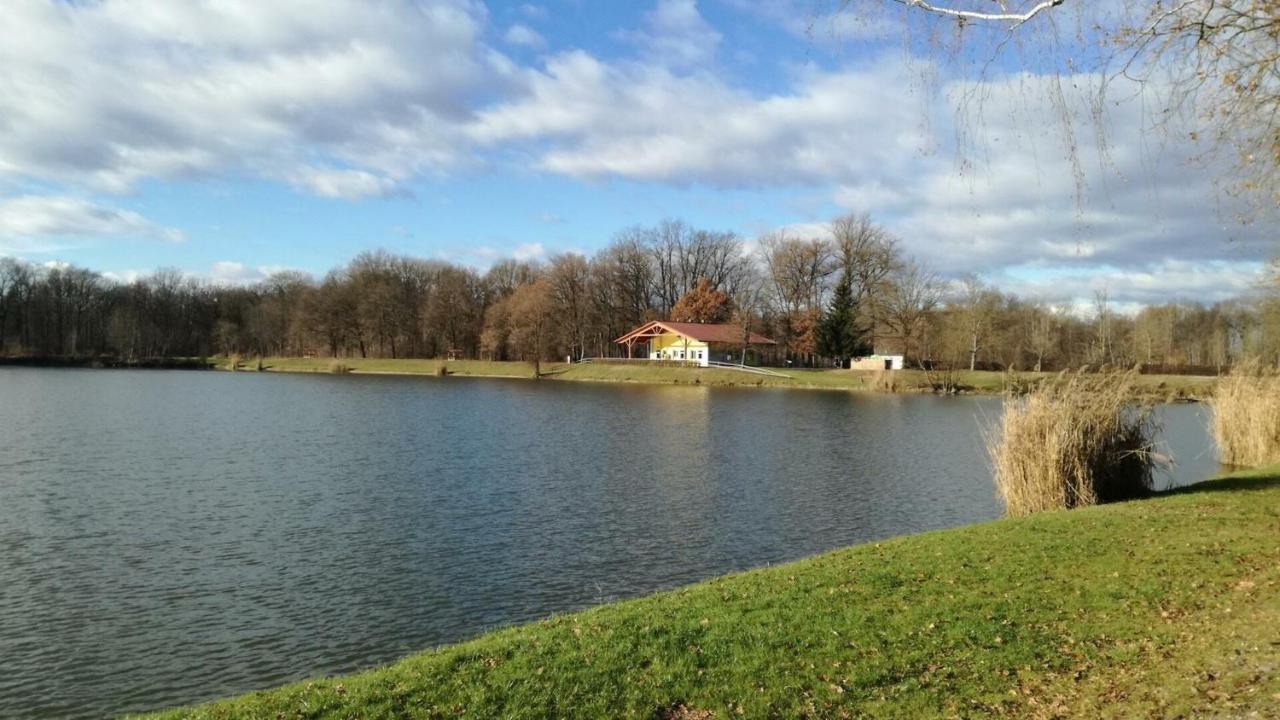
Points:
[(1073, 441), (338, 367), (1246, 416)]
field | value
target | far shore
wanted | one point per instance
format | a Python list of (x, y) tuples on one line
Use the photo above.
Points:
[(1171, 388), (1161, 388)]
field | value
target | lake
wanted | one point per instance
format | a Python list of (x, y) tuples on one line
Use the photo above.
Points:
[(168, 537)]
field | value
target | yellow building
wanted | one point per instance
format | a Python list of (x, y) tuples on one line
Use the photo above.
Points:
[(695, 343)]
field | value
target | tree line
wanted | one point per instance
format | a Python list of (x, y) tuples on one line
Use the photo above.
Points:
[(824, 299)]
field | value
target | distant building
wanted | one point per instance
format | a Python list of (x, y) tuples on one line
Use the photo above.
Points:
[(696, 343), (877, 362)]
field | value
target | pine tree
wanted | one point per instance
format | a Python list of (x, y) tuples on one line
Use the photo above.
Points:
[(838, 334)]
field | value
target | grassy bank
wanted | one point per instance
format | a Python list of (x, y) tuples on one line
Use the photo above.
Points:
[(1161, 607), (1160, 387)]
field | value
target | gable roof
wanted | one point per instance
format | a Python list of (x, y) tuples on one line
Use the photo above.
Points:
[(700, 332)]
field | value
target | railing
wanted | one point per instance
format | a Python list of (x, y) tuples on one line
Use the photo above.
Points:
[(691, 363)]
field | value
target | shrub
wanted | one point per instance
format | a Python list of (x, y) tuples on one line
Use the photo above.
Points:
[(338, 367), (1073, 441), (1246, 415)]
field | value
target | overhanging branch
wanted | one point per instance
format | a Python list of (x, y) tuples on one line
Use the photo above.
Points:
[(1017, 18)]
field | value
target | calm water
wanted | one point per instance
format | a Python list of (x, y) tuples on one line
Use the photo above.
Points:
[(168, 537)]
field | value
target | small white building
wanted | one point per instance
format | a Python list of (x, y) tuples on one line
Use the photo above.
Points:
[(878, 362)]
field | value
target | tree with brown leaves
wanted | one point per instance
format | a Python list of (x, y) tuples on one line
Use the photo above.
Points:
[(703, 304)]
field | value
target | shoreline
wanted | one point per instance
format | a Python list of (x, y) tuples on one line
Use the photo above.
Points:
[(1157, 388), (1129, 609)]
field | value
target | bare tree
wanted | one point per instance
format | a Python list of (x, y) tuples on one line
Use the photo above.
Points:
[(11, 272), (569, 279), (870, 255), (748, 300), (532, 309), (977, 309), (798, 272), (914, 293), (1042, 334)]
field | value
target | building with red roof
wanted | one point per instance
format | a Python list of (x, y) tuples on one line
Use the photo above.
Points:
[(695, 343)]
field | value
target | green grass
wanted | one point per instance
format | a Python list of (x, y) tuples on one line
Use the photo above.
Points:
[(389, 366), (1160, 387), (1163, 607)]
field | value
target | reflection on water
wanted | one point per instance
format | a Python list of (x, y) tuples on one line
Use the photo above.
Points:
[(169, 537)]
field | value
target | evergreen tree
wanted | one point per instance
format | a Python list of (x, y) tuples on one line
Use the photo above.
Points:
[(838, 334)]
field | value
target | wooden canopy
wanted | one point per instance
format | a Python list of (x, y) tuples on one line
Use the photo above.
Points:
[(698, 332)]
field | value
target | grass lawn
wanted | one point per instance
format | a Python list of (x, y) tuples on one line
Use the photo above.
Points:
[(1163, 607), (1160, 387)]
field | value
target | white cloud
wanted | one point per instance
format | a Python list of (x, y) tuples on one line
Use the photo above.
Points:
[(647, 122), (533, 12), (41, 223), (124, 277), (1131, 288), (230, 272), (524, 36), (107, 94), (529, 251), (827, 24), (345, 184), (676, 35)]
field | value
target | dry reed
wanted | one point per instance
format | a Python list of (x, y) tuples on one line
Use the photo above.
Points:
[(338, 367), (1073, 441), (1246, 415), (885, 381)]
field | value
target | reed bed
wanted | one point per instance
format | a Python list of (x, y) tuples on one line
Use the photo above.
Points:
[(1073, 441), (1246, 416)]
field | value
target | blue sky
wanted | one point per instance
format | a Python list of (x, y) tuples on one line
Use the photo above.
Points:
[(231, 138)]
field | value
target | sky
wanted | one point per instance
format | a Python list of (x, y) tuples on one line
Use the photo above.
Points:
[(235, 138)]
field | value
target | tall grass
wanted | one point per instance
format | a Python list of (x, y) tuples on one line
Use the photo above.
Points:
[(1246, 415), (1073, 441)]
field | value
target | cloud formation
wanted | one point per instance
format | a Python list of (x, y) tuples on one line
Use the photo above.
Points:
[(350, 96), (524, 36), (37, 223)]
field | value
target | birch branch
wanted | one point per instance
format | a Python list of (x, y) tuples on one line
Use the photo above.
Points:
[(1017, 18)]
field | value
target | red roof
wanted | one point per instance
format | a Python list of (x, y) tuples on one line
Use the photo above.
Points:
[(701, 332)]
